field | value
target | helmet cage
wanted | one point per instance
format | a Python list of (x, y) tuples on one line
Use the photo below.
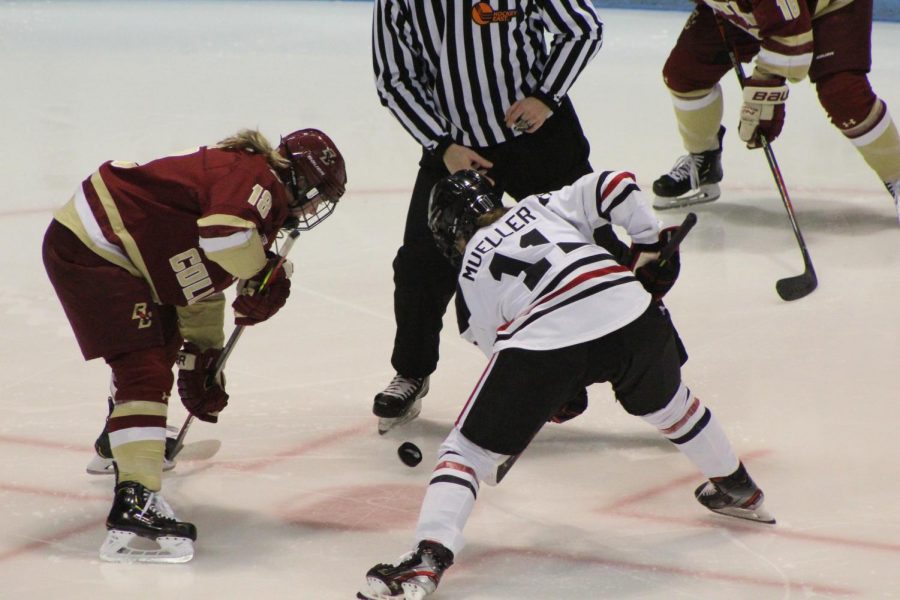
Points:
[(309, 206)]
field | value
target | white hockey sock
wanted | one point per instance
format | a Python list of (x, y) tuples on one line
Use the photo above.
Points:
[(453, 490), (688, 424)]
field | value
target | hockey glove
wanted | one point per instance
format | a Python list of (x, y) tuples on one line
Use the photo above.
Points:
[(656, 278), (203, 396), (253, 306), (763, 109), (572, 408)]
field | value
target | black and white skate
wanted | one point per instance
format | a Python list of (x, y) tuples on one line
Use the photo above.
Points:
[(142, 527), (693, 180), (400, 402), (416, 575), (735, 496), (102, 461)]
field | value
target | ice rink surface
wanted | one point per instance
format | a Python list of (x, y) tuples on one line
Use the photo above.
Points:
[(303, 496)]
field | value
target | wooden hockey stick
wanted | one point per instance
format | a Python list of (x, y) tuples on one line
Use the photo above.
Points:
[(798, 286), (233, 339), (664, 255)]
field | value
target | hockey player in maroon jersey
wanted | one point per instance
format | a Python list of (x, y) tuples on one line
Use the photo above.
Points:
[(139, 258), (554, 312), (829, 41)]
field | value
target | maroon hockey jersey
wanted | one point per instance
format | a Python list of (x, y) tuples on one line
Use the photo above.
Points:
[(188, 224)]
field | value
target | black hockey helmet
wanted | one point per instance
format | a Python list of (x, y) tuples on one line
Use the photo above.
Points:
[(317, 176), (455, 205)]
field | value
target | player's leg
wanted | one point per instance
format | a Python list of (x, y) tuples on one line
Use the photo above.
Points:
[(649, 385), (839, 70), (113, 317), (519, 391), (692, 73), (424, 282)]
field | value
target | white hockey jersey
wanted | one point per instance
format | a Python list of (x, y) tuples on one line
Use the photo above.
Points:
[(536, 280)]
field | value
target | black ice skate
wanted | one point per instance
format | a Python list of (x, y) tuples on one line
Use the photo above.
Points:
[(400, 402), (102, 461), (143, 528), (416, 575), (735, 496), (694, 179)]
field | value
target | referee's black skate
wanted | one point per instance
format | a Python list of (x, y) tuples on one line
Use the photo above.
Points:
[(416, 575), (142, 527), (400, 402), (735, 495), (694, 179)]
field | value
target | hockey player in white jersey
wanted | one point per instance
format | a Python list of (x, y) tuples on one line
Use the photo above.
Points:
[(554, 312)]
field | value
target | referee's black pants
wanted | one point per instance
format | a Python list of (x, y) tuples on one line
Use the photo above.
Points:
[(424, 281)]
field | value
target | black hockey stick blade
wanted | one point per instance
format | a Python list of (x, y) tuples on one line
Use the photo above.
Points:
[(798, 286), (504, 467)]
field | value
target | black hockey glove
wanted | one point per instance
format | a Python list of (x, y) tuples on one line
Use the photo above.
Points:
[(656, 277), (202, 396)]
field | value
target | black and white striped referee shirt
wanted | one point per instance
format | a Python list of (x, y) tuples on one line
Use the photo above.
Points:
[(449, 69)]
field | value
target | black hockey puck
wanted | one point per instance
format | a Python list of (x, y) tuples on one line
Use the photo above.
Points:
[(410, 454)]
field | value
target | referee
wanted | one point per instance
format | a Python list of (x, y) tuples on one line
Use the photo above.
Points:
[(479, 85)]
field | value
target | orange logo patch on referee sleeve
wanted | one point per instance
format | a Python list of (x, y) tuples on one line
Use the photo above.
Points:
[(483, 14)]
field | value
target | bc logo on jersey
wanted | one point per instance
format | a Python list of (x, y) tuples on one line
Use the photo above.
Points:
[(142, 315), (483, 14)]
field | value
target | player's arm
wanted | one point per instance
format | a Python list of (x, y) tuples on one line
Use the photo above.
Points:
[(240, 208), (786, 51), (786, 46), (234, 243), (202, 326), (603, 198)]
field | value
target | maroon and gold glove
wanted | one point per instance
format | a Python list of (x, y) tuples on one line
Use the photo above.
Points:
[(253, 306), (763, 110), (203, 396)]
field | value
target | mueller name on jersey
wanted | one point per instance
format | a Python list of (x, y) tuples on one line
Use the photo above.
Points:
[(514, 221)]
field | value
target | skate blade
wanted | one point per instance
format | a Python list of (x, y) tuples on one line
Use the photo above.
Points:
[(377, 590), (707, 193), (385, 425), (758, 514), (127, 547), (104, 466)]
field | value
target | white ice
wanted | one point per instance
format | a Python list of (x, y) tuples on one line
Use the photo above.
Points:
[(303, 496)]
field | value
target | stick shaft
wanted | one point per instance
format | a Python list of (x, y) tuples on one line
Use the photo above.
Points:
[(770, 154)]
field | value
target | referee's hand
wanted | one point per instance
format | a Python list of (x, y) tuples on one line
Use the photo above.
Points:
[(527, 114), (460, 158)]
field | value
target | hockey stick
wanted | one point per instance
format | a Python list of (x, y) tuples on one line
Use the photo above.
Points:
[(235, 336), (798, 286), (664, 255)]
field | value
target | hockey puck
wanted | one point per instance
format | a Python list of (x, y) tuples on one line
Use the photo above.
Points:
[(410, 454)]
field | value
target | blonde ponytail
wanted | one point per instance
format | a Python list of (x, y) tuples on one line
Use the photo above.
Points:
[(251, 140)]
